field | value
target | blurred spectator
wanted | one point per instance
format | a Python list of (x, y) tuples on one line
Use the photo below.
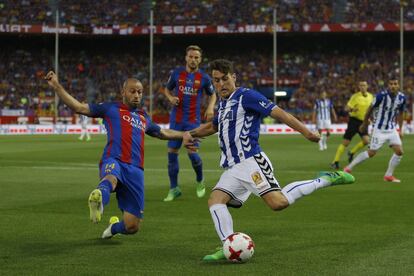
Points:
[(205, 12), (95, 75)]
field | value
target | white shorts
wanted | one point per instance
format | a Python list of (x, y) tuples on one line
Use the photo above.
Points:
[(323, 124), (380, 137), (253, 175)]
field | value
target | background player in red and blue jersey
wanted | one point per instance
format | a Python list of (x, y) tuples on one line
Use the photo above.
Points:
[(184, 90), (121, 168)]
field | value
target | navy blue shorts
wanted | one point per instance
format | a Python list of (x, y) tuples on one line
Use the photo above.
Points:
[(130, 188), (176, 144)]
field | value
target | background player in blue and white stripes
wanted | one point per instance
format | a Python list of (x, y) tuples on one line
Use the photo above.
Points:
[(247, 168), (84, 120), (387, 107), (321, 116)]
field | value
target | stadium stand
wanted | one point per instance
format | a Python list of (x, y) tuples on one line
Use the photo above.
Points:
[(199, 12)]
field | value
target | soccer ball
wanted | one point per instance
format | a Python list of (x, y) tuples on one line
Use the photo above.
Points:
[(238, 248)]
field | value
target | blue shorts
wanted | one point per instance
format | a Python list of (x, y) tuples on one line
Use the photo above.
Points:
[(130, 188), (176, 144)]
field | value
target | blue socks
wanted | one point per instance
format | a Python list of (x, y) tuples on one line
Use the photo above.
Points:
[(119, 228), (173, 168), (197, 165), (106, 188)]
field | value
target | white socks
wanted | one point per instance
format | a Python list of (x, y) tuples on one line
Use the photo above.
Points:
[(322, 142), (222, 220), (394, 161), (298, 189), (358, 159)]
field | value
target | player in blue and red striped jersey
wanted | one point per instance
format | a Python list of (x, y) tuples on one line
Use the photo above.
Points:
[(184, 90), (121, 168)]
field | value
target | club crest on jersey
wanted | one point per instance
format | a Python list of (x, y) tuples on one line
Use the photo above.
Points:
[(257, 178)]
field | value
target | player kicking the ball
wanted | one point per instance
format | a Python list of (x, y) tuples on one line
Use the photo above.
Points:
[(248, 170), (121, 168)]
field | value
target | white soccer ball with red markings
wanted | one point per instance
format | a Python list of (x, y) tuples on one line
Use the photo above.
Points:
[(238, 248)]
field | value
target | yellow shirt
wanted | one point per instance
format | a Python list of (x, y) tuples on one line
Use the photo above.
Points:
[(361, 103)]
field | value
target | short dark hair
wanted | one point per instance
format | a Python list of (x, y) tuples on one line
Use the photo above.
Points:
[(393, 77), (194, 48), (222, 65)]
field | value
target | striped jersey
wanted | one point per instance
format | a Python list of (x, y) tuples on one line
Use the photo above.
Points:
[(83, 120), (386, 108), (238, 123), (125, 131), (188, 87), (323, 108)]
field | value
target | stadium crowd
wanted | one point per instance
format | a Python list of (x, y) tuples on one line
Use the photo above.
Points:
[(186, 12), (94, 76)]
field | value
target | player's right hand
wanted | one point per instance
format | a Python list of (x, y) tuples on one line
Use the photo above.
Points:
[(52, 79), (174, 100)]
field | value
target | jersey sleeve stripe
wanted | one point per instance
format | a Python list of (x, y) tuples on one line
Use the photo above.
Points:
[(193, 100), (181, 85), (110, 136)]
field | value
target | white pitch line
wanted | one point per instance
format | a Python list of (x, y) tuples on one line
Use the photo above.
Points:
[(90, 167)]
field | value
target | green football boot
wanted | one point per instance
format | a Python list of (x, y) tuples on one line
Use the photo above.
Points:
[(200, 189), (338, 177), (173, 194), (217, 256)]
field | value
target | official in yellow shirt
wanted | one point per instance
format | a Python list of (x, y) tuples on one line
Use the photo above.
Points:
[(357, 106)]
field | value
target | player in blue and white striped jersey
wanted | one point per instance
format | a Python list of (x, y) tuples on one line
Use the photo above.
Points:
[(387, 108), (84, 120), (321, 116), (248, 169)]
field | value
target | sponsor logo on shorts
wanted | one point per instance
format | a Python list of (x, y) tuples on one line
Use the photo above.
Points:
[(257, 178)]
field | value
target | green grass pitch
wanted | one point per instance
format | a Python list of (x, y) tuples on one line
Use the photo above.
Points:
[(362, 229)]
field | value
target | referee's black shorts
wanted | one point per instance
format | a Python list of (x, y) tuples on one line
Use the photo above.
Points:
[(353, 128)]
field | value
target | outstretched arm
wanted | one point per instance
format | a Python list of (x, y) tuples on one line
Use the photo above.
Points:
[(335, 117), (400, 121), (190, 137), (70, 101), (169, 134), (209, 114), (290, 120), (203, 130)]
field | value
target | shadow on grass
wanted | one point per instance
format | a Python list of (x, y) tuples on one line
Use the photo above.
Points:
[(53, 248)]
